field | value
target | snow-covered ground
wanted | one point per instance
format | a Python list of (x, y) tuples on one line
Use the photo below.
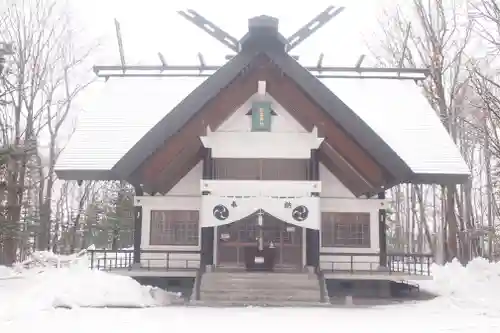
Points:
[(407, 319), (469, 301)]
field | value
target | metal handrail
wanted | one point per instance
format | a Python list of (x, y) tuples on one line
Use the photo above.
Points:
[(124, 259), (410, 263)]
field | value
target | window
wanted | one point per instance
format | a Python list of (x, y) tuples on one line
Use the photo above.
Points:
[(174, 227), (261, 169), (345, 230)]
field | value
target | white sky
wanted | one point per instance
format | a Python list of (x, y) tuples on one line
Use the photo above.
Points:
[(149, 26), (152, 26)]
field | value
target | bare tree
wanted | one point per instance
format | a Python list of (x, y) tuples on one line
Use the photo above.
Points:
[(38, 98), (486, 16), (434, 34), (57, 111), (486, 83), (86, 194)]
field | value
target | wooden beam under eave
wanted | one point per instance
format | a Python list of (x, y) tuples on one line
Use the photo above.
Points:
[(308, 114), (177, 175), (172, 173), (341, 169)]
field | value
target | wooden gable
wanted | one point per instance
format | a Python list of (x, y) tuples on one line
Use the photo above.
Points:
[(339, 152)]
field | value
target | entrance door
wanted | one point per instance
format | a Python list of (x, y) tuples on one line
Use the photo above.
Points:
[(287, 239), (234, 237)]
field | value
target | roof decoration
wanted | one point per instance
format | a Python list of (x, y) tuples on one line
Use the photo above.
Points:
[(261, 27)]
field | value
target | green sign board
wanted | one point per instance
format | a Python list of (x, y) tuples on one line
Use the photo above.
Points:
[(261, 116)]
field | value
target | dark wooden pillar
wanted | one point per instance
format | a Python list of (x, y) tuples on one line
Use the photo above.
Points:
[(312, 235), (382, 233), (137, 227), (207, 233)]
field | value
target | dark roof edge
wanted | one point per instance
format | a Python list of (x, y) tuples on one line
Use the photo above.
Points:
[(86, 175), (428, 179), (180, 115), (440, 178), (350, 121)]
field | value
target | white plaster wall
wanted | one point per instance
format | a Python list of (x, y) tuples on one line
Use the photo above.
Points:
[(189, 185), (335, 197), (287, 139), (331, 186), (283, 122), (185, 195)]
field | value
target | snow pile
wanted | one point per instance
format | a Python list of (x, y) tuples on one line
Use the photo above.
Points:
[(475, 286), (45, 286), (6, 272), (41, 260), (70, 287)]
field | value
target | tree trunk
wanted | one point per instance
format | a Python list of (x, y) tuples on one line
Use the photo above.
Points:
[(451, 220), (423, 219), (13, 213), (114, 241)]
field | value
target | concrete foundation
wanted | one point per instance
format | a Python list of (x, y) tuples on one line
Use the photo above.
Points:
[(359, 288), (176, 285)]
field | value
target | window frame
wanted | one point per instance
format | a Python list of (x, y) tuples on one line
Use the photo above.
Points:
[(167, 230), (331, 221)]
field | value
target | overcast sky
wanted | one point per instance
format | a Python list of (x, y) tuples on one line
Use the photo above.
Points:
[(152, 26)]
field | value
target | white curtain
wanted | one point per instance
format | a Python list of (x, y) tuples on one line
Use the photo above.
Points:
[(302, 212)]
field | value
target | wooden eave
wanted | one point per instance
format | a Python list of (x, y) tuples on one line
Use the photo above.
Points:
[(82, 174)]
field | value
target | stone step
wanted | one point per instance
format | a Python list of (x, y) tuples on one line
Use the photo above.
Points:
[(256, 281), (262, 291), (253, 275), (256, 298), (259, 284), (258, 304), (253, 288), (270, 280), (255, 295), (259, 287)]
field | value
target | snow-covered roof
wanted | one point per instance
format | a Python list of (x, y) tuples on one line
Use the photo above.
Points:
[(125, 111), (395, 110), (402, 117)]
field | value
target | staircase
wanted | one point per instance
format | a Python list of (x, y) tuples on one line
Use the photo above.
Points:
[(260, 289)]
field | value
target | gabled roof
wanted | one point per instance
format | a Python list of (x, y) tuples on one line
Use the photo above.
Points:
[(399, 151), (180, 115), (125, 111), (399, 113), (391, 121)]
